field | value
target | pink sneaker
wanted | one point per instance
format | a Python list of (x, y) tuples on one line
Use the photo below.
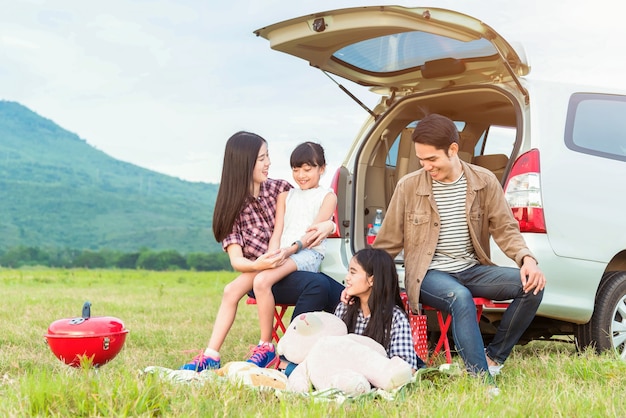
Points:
[(263, 355), (201, 362)]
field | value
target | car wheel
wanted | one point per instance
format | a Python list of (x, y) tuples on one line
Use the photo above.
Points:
[(608, 322)]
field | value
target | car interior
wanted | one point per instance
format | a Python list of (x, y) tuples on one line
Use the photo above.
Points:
[(488, 125)]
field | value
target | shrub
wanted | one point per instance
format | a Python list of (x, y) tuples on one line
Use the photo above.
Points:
[(161, 261), (208, 262)]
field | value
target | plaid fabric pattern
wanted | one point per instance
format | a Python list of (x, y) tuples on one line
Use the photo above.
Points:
[(254, 226), (401, 343), (402, 339)]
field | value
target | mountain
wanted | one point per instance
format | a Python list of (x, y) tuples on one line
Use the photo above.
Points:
[(58, 191)]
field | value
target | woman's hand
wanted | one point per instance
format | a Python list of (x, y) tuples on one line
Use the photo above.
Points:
[(270, 260), (283, 255), (317, 233)]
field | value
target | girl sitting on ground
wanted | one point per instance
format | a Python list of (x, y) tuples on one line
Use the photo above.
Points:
[(374, 307)]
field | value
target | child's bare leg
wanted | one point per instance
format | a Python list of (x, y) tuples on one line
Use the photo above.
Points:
[(265, 303), (233, 292)]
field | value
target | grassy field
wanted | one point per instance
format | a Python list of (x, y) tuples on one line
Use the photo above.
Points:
[(169, 316)]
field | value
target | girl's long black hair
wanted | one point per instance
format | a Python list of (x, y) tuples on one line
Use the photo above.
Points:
[(384, 296)]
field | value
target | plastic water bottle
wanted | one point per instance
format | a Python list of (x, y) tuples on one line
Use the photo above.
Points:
[(378, 220), (371, 234)]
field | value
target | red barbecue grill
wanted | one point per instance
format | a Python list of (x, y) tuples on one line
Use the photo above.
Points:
[(96, 339)]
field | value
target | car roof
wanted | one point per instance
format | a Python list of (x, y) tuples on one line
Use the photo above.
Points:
[(399, 48)]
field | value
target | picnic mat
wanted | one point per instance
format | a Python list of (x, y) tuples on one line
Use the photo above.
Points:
[(422, 376)]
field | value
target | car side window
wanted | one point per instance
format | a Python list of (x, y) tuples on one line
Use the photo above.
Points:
[(392, 155), (596, 125), (496, 140)]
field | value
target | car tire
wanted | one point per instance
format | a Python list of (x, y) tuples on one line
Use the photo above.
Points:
[(607, 327)]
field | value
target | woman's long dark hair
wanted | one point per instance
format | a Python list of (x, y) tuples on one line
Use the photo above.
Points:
[(384, 296), (240, 155)]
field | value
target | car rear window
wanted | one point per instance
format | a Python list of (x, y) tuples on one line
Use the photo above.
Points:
[(392, 156), (403, 51), (596, 124)]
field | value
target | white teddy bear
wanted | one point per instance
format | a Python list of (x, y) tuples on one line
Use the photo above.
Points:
[(330, 358)]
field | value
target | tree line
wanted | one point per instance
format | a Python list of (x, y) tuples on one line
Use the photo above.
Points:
[(144, 259)]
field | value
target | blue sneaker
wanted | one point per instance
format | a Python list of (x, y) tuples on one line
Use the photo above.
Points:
[(264, 356), (201, 362)]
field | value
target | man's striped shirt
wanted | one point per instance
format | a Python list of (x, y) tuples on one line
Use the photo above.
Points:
[(454, 250)]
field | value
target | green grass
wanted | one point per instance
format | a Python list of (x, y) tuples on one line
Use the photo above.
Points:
[(169, 316)]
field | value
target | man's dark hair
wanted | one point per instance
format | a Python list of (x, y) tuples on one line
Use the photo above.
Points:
[(436, 130)]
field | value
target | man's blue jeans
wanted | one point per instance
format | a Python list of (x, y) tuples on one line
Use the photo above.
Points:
[(453, 293)]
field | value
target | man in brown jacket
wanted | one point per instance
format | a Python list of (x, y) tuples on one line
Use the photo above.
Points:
[(442, 216)]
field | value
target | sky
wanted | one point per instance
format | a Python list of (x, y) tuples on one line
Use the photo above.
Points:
[(163, 84)]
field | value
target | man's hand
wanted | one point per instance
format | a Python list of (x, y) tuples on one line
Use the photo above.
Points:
[(532, 278)]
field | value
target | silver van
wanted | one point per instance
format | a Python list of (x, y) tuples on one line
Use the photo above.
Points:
[(558, 149)]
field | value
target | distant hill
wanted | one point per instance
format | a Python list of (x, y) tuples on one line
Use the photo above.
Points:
[(58, 191)]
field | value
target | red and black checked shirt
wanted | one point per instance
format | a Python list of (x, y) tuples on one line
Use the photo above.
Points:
[(254, 226)]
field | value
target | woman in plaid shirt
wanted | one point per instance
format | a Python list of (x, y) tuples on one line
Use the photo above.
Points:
[(243, 221), (374, 307)]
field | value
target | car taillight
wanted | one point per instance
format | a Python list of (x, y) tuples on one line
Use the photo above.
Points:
[(523, 193), (335, 185)]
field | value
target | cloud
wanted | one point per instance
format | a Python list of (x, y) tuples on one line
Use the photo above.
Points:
[(164, 83), (10, 41)]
